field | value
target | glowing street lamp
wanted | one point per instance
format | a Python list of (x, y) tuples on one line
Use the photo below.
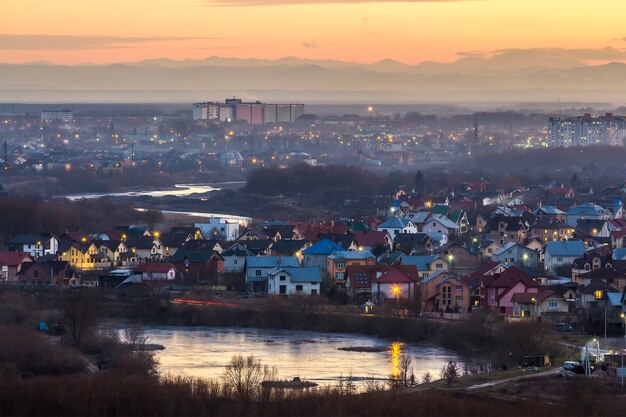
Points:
[(395, 289)]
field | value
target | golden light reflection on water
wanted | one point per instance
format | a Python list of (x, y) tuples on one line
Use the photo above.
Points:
[(396, 351)]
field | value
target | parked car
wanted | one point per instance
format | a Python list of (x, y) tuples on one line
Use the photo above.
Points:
[(563, 327), (573, 366)]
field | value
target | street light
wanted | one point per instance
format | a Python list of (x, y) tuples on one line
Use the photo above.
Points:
[(534, 300), (395, 289), (597, 342)]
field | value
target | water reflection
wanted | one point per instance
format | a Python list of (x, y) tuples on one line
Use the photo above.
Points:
[(179, 190), (395, 360), (203, 352)]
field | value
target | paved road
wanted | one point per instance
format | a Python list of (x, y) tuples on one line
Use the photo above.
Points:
[(553, 371)]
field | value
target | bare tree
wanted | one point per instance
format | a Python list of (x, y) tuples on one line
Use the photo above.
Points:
[(245, 375), (79, 314)]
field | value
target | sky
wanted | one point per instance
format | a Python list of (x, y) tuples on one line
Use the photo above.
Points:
[(409, 31)]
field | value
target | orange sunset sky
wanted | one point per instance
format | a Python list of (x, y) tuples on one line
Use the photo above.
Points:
[(99, 31)]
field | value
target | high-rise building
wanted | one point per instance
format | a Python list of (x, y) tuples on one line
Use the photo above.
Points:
[(254, 113), (587, 130), (64, 116)]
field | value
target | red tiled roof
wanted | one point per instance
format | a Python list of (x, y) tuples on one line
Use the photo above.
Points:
[(395, 275), (13, 258), (509, 278), (370, 237), (402, 273)]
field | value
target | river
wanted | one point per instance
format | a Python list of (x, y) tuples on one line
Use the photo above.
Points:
[(179, 190), (204, 352)]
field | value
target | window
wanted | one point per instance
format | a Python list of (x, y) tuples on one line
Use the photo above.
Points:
[(490, 251), (459, 288), (283, 278), (235, 261), (298, 288), (439, 266), (559, 259), (282, 289), (459, 298), (258, 272), (552, 305), (341, 265), (314, 291), (339, 275)]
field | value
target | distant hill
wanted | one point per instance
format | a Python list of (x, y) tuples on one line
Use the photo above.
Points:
[(508, 77)]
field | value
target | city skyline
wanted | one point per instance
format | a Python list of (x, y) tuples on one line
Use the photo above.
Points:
[(365, 32)]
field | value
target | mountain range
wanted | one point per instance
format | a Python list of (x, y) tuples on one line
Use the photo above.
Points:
[(510, 77)]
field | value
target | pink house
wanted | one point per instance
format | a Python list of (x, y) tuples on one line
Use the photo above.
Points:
[(497, 290)]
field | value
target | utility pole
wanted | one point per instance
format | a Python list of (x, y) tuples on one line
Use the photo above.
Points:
[(5, 154)]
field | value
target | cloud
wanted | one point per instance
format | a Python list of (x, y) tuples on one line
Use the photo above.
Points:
[(300, 2), (312, 45), (32, 42)]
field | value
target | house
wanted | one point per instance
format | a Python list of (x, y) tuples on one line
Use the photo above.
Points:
[(497, 289), (339, 261), (591, 260), (441, 225), (550, 213), (395, 285), (395, 225), (258, 267), (11, 264), (360, 278), (504, 229), (426, 264), (488, 247), (235, 258), (156, 271), (515, 253), (444, 291), (36, 245), (198, 265), (459, 257), (592, 227), (390, 258), (616, 279), (193, 232), (173, 241), (529, 305), (317, 254), (550, 229), (221, 228), (290, 247), (146, 247), (45, 273), (259, 247), (294, 281), (413, 243), (373, 240), (117, 252), (586, 211), (562, 253), (594, 293)]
